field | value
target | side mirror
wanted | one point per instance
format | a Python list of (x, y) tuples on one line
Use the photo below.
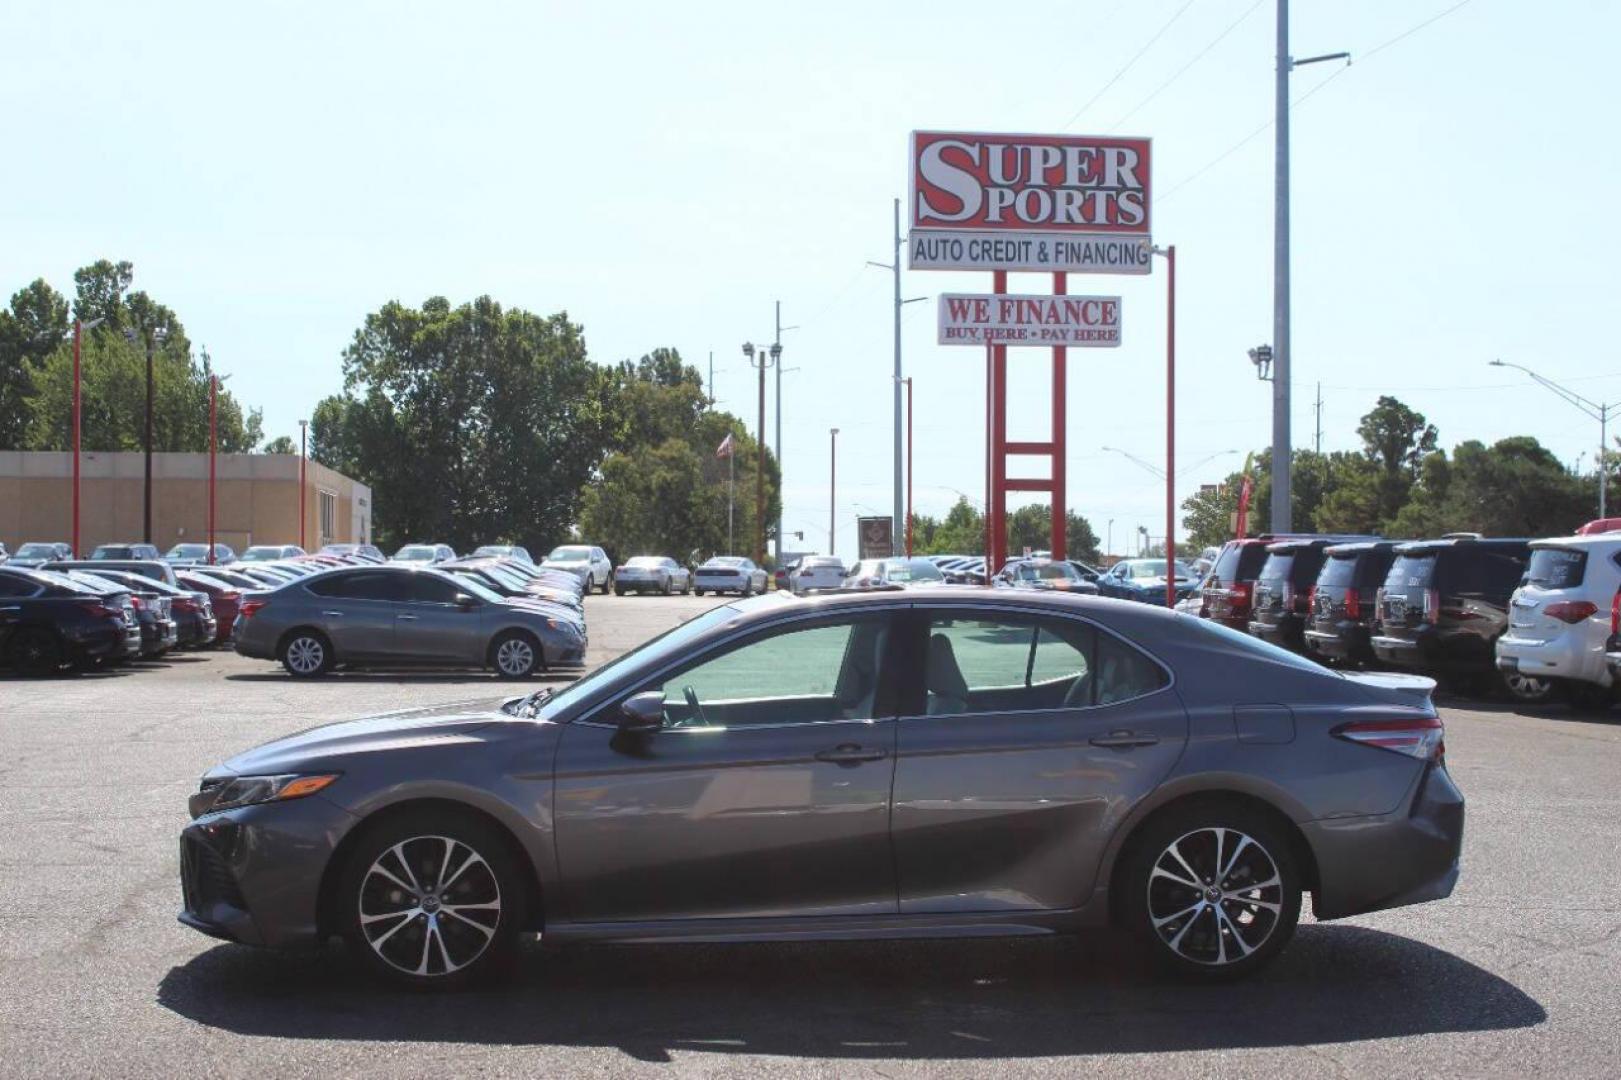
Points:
[(643, 713), (466, 602)]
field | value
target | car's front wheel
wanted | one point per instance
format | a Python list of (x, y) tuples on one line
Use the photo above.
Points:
[(1212, 889), (514, 655), (432, 901), (306, 654), (607, 583)]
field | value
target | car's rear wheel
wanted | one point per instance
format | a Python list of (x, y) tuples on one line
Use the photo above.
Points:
[(747, 589), (34, 651), (514, 655), (607, 583), (669, 587), (432, 901), (697, 591), (306, 654), (1213, 890), (1525, 689)]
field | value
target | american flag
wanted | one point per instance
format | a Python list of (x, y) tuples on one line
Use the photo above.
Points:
[(726, 446)]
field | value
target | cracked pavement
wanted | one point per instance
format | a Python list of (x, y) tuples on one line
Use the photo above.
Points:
[(1516, 974)]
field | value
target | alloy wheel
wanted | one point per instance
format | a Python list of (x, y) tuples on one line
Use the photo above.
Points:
[(1527, 688), (305, 655), (429, 906), (515, 656), (1214, 896)]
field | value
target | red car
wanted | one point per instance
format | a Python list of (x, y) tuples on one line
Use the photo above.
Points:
[(226, 599)]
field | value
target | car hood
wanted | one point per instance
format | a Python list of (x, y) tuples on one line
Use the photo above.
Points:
[(325, 746)]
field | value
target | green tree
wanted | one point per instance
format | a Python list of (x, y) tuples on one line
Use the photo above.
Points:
[(281, 444), (29, 331), (960, 532), (1515, 487)]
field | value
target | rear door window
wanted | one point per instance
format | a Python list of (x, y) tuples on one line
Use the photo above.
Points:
[(1411, 572), (1557, 568), (1277, 566), (1338, 573)]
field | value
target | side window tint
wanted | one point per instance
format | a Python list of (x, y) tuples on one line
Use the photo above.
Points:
[(333, 585), (810, 675), (1006, 665), (1124, 673), (430, 590), (10, 586)]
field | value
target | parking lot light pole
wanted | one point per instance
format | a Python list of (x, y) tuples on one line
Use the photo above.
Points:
[(303, 479), (907, 381), (213, 449), (151, 337), (1596, 410), (1170, 422), (832, 488), (79, 327), (760, 358)]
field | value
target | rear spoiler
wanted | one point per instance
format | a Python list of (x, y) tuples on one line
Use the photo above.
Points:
[(1418, 688)]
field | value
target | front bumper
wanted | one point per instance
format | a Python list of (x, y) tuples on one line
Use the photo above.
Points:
[(253, 874), (1390, 860)]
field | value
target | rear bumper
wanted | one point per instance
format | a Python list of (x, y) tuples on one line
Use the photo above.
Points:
[(1347, 641), (1429, 650), (253, 874), (1286, 632), (1391, 860), (1564, 657)]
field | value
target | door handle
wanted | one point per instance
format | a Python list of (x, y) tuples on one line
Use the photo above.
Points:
[(1125, 740), (851, 754), (406, 618), (333, 614)]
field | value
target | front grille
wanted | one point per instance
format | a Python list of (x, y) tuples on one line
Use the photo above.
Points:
[(205, 880)]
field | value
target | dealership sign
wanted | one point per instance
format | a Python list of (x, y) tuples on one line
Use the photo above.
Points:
[(1003, 319), (1029, 202)]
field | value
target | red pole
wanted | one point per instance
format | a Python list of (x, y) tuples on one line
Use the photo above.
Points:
[(213, 448), (1170, 427), (78, 329), (1060, 422), (303, 481), (990, 467), (998, 510), (908, 382)]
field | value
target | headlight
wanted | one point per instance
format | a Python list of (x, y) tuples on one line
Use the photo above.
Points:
[(247, 790)]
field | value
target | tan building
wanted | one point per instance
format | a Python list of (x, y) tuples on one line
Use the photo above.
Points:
[(257, 500)]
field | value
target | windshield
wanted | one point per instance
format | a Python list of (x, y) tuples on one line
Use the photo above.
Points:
[(36, 551), (188, 551), (1056, 572), (1239, 641), (915, 570), (569, 554), (261, 554), (1156, 568), (109, 551), (725, 563), (655, 652), (72, 584), (646, 562), (416, 553)]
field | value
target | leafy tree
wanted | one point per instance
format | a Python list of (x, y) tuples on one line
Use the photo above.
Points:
[(1516, 487), (100, 289), (1031, 526), (29, 331), (281, 444), (961, 532)]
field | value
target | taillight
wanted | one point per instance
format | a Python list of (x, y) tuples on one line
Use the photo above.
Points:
[(1615, 613), (1575, 611), (137, 603), (100, 610), (1288, 596), (230, 594), (1419, 736), (250, 608), (1353, 604), (1239, 597), (1311, 598), (183, 603)]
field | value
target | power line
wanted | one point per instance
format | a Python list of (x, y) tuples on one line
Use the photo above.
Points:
[(1129, 63), (1366, 56), (1200, 55)]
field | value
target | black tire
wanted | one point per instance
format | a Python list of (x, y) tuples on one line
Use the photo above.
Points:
[(618, 591), (697, 591), (1524, 689), (305, 653), (667, 589), (35, 651), (747, 589), (424, 949), (515, 654), (607, 583), (1172, 913)]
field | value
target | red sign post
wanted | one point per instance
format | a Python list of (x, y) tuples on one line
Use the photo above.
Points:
[(1058, 204)]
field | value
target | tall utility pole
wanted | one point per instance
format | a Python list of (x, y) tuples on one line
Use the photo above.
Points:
[(303, 479), (712, 379), (1597, 410), (150, 336), (760, 358), (1282, 358), (1317, 442), (776, 354), (895, 533), (1281, 450)]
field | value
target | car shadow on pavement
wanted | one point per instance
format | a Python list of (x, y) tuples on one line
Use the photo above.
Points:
[(423, 678), (978, 998)]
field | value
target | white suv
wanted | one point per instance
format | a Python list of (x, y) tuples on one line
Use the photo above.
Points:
[(1559, 617), (591, 563)]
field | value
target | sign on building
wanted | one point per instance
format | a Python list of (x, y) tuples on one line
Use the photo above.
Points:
[(1029, 202), (1006, 319)]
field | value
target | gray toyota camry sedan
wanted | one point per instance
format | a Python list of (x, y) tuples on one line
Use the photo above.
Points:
[(955, 762)]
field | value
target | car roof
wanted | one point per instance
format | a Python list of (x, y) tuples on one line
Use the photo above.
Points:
[(1336, 550), (1609, 539), (1421, 547)]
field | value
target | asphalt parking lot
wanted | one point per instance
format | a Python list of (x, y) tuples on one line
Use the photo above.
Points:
[(1518, 973)]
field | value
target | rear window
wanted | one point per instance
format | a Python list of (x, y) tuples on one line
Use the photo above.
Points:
[(1238, 562), (1411, 572), (1338, 572), (1276, 567), (1557, 568)]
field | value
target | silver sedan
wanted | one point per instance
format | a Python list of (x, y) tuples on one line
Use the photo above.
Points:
[(652, 573)]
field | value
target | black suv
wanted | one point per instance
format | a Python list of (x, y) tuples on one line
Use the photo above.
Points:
[(1443, 606), (1342, 603), (48, 621), (1280, 601)]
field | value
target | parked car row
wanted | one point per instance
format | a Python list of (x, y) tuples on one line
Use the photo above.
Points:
[(1533, 619), (60, 618)]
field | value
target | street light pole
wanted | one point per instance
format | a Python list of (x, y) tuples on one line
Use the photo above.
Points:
[(896, 265), (832, 488), (151, 337), (213, 449), (303, 480), (1598, 411), (908, 381), (766, 357)]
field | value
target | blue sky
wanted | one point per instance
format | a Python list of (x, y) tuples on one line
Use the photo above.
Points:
[(665, 172)]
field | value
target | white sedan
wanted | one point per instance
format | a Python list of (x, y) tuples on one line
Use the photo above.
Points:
[(729, 573), (652, 573)]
